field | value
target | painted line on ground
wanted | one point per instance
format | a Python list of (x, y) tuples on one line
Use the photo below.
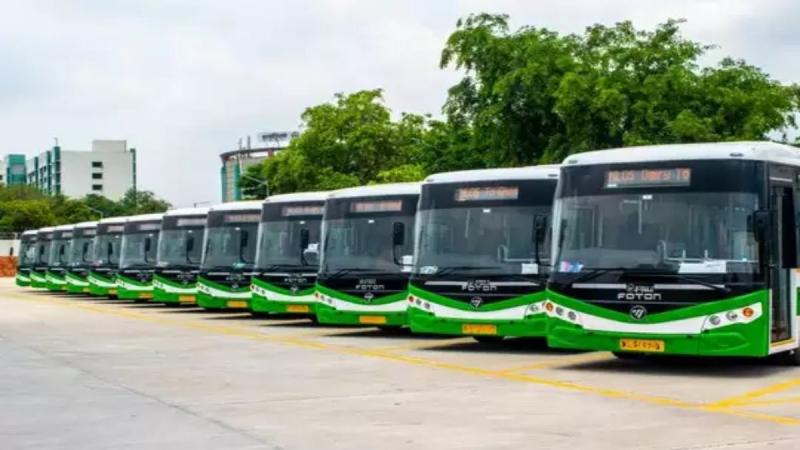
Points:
[(562, 361), (252, 333), (747, 397)]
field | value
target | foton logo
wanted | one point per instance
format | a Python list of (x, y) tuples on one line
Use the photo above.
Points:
[(479, 286), (637, 292), (369, 284)]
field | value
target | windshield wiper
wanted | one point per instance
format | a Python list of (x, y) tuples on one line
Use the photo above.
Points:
[(596, 272), (679, 277), (341, 272), (449, 269)]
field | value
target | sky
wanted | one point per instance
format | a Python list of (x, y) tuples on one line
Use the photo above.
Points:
[(183, 81)]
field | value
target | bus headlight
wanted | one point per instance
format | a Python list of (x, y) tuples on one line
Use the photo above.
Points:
[(732, 317)]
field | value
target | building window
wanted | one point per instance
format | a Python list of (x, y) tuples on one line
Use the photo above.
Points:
[(97, 187), (97, 164), (97, 176)]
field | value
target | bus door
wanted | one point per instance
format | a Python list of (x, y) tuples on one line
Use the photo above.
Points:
[(783, 259)]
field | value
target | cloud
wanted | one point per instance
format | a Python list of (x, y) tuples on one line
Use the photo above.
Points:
[(184, 80)]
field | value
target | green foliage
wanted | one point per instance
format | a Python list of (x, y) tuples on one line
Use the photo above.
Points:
[(24, 208), (534, 96)]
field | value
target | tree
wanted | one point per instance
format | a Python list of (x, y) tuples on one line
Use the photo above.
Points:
[(20, 215), (141, 202), (533, 96)]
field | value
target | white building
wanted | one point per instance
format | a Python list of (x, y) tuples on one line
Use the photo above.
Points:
[(109, 169)]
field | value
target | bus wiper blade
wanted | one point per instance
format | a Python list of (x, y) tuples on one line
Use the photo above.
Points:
[(341, 272), (596, 272), (449, 269), (679, 277)]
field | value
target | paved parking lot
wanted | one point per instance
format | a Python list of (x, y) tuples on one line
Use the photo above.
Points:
[(97, 373)]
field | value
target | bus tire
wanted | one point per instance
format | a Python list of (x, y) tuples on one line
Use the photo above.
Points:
[(790, 358), (488, 339)]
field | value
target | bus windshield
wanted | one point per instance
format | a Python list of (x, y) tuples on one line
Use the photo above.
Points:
[(180, 247), (106, 249), (480, 240), (280, 242), (60, 250), (353, 243), (139, 247), (81, 251), (42, 251), (687, 232), (230, 245), (27, 251)]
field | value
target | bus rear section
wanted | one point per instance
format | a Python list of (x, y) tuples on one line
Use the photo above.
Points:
[(482, 253), (81, 255), (58, 260), (138, 257), (287, 256), (26, 258), (229, 251), (105, 262), (680, 249), (41, 257), (366, 258), (180, 247)]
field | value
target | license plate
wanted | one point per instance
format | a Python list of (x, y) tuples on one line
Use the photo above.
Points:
[(112, 292), (471, 328), (238, 304), (641, 345), (145, 295), (85, 290), (186, 299), (372, 320), (297, 308)]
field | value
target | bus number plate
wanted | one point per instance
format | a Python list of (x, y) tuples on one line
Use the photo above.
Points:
[(145, 295), (641, 345), (237, 304), (372, 320), (297, 308), (187, 299), (471, 328)]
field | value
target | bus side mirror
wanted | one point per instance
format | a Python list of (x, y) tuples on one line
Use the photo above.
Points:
[(85, 249), (760, 223), (245, 237), (304, 238), (539, 228), (61, 251), (109, 250), (189, 244), (147, 244), (398, 234)]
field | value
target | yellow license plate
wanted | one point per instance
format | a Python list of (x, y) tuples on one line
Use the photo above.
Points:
[(145, 295), (187, 299), (641, 345), (85, 290), (238, 304), (297, 308), (472, 328), (372, 320), (112, 292)]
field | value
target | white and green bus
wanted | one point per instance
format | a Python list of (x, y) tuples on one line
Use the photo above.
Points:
[(229, 252), (180, 249), (678, 249), (367, 255), (81, 254), (482, 255), (137, 259), (26, 257), (105, 262), (284, 277), (38, 273), (58, 260)]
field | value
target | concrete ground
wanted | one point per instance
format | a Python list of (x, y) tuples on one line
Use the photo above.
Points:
[(94, 373)]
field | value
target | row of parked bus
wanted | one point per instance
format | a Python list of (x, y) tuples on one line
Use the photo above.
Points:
[(683, 249)]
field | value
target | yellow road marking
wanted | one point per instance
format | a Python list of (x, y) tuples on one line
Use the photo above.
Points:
[(254, 334), (768, 402), (562, 361), (747, 397)]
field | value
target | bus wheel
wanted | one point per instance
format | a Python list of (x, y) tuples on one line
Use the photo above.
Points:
[(485, 339), (629, 355), (790, 358)]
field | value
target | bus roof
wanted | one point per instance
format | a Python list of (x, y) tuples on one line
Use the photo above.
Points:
[(512, 173), (187, 212), (378, 190), (30, 232), (317, 196), (237, 206), (46, 229), (65, 227), (112, 220), (759, 151), (146, 217), (86, 225)]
